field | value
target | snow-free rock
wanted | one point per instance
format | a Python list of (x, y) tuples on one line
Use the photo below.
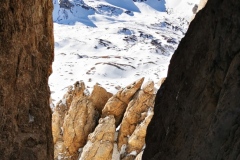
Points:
[(117, 104), (100, 142), (135, 112), (79, 121), (136, 141), (99, 97)]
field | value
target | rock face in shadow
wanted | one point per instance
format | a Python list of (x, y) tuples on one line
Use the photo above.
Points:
[(26, 42), (197, 109)]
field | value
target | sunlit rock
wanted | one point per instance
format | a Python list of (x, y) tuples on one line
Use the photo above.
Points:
[(117, 104), (101, 141), (136, 112)]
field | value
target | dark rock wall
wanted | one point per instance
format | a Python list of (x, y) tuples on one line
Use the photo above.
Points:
[(26, 55), (197, 111)]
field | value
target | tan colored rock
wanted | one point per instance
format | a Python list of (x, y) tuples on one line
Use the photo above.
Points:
[(62, 107), (137, 140), (136, 112), (139, 156), (57, 120), (99, 97), (101, 141), (129, 157), (78, 92), (202, 4), (127, 93), (79, 121), (117, 104), (160, 82), (67, 98), (56, 128), (60, 151)]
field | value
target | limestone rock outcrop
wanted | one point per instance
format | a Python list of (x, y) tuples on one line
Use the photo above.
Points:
[(136, 112), (26, 44), (117, 104), (196, 113), (100, 142), (75, 118), (136, 141), (63, 106), (99, 97), (79, 121)]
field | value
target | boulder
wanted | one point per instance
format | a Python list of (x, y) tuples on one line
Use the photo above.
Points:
[(136, 112), (117, 104), (136, 141), (99, 97), (101, 141), (79, 121), (62, 107)]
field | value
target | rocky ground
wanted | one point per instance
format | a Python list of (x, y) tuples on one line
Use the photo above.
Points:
[(108, 44), (100, 125)]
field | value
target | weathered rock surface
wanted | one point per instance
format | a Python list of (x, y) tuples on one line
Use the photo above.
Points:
[(26, 42), (73, 119), (135, 112), (100, 142), (117, 104), (78, 123), (99, 97), (197, 109), (63, 106), (137, 140), (139, 156), (76, 116)]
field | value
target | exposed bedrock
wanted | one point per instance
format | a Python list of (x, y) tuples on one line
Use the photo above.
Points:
[(118, 103), (26, 55), (100, 142), (136, 112), (197, 109)]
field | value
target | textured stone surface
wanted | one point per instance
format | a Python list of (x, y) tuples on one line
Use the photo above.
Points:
[(137, 140), (99, 97), (26, 42), (79, 121), (57, 120), (135, 112), (74, 93), (100, 142), (117, 104), (196, 114)]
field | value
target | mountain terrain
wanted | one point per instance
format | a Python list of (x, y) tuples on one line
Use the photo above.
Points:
[(113, 43), (101, 47)]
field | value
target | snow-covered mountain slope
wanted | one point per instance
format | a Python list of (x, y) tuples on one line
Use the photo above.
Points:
[(115, 42)]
